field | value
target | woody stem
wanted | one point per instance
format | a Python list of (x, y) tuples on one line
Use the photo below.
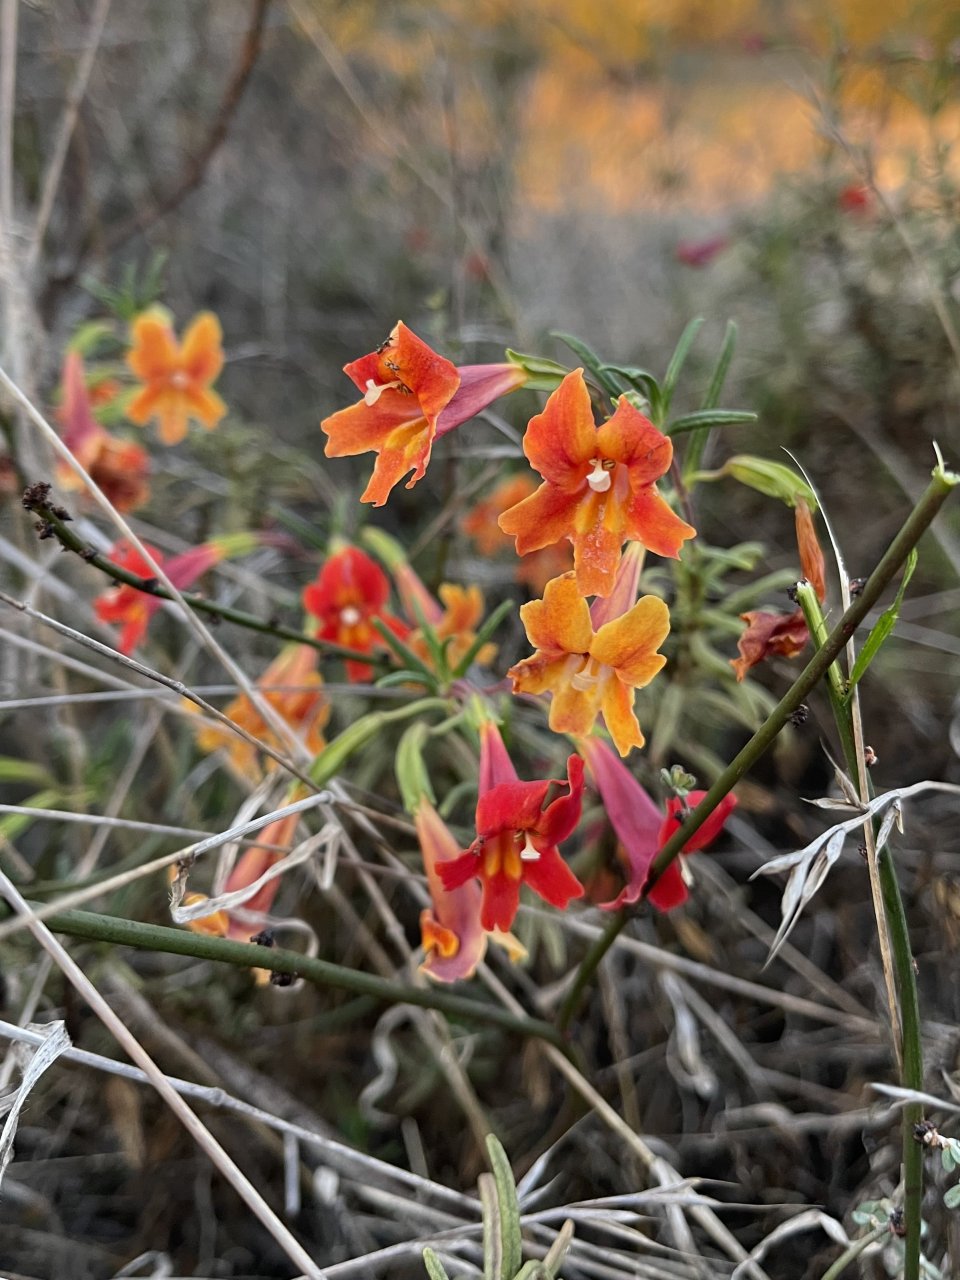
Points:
[(53, 525)]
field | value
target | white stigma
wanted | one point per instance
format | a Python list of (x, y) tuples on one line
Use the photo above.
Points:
[(350, 616), (374, 390), (528, 853), (599, 479), (179, 379)]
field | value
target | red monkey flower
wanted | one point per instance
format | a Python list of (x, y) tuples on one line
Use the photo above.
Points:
[(135, 608), (177, 377), (642, 829), (599, 486), (411, 395), (350, 591), (517, 837)]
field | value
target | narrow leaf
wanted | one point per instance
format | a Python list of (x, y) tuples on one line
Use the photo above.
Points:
[(435, 1268), (678, 359), (483, 635), (883, 626), (509, 1208), (590, 359), (709, 418)]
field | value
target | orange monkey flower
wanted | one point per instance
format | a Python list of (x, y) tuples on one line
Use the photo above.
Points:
[(177, 377)]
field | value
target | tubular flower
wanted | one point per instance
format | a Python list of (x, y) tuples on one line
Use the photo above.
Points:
[(643, 830), (291, 685), (118, 467), (784, 634), (670, 890), (350, 591), (599, 486), (453, 937), (134, 608), (588, 671), (517, 837), (177, 377), (241, 923), (411, 395)]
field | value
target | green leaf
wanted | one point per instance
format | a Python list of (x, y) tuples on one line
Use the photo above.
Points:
[(643, 381), (404, 653), (721, 368), (413, 778), (678, 359), (590, 359), (883, 626), (775, 479), (16, 770), (435, 1268), (710, 418), (952, 1197), (509, 1206)]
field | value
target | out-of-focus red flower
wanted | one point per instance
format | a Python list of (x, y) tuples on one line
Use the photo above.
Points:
[(118, 467), (411, 395), (590, 671), (784, 635), (700, 253), (302, 704), (178, 377), (517, 836), (350, 591), (855, 198), (134, 608), (643, 830), (599, 486)]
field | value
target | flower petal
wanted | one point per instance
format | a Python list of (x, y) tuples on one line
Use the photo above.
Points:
[(632, 439), (618, 715), (551, 878), (511, 806), (670, 890), (561, 816), (154, 353), (784, 634), (629, 643), (651, 521), (201, 353), (560, 622), (560, 441), (545, 517)]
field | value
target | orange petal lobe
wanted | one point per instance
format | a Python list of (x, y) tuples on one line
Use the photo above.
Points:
[(560, 622)]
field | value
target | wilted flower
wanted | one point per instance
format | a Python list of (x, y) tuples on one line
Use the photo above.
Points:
[(784, 634), (118, 467)]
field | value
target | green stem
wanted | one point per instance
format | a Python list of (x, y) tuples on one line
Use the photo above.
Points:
[(322, 973), (894, 922), (917, 522), (54, 526), (853, 1251)]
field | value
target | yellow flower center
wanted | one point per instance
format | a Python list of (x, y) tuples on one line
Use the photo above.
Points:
[(600, 478), (502, 854)]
